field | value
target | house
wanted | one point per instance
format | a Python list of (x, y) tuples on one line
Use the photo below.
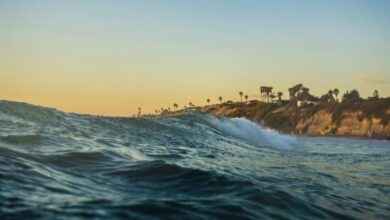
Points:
[(301, 103), (251, 103), (304, 103), (277, 102), (300, 96), (229, 102), (192, 109)]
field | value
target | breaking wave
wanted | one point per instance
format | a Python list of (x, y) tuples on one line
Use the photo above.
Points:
[(194, 166), (254, 133)]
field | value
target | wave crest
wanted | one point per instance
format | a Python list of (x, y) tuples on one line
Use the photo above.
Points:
[(254, 133)]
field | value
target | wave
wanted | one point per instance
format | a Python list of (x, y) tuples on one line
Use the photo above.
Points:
[(254, 133), (30, 113), (22, 139), (180, 125), (191, 166)]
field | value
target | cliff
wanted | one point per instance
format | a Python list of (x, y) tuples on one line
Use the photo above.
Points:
[(360, 118)]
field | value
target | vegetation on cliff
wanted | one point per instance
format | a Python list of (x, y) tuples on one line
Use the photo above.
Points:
[(304, 113), (368, 117)]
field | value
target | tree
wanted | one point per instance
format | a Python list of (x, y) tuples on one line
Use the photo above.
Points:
[(272, 96), (336, 93), (220, 99), (324, 98), (353, 95), (241, 94), (265, 92), (330, 92), (280, 94), (175, 105), (139, 111), (330, 96), (246, 97), (269, 93), (190, 104), (375, 95), (327, 97), (208, 101)]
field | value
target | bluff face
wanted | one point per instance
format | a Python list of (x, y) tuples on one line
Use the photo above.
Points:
[(360, 118)]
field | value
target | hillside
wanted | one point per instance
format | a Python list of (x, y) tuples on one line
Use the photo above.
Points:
[(363, 118)]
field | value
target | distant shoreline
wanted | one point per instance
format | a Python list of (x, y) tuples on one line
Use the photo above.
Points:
[(366, 119), (344, 120)]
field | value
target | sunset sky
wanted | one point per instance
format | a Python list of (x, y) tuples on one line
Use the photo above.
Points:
[(111, 57)]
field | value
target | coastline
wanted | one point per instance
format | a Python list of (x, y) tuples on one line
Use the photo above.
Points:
[(368, 119)]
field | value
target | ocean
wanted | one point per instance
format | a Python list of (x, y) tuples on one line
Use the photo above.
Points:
[(56, 165)]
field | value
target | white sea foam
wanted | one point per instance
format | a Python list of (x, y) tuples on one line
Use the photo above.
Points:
[(9, 118), (132, 153), (254, 133)]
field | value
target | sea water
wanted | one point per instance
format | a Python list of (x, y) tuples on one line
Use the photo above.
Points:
[(194, 166)]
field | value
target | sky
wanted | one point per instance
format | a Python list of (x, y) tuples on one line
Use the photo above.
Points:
[(111, 57)]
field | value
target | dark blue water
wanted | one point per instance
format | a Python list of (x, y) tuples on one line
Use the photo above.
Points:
[(55, 165)]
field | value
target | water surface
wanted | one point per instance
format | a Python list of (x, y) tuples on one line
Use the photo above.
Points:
[(195, 166)]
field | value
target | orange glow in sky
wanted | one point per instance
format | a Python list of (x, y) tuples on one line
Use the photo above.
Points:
[(109, 58)]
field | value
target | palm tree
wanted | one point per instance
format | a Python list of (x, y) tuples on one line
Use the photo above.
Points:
[(220, 99), (246, 97), (175, 106), (330, 95), (336, 93), (268, 92), (241, 94), (280, 94), (375, 94), (208, 101), (190, 103), (273, 96), (139, 111)]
